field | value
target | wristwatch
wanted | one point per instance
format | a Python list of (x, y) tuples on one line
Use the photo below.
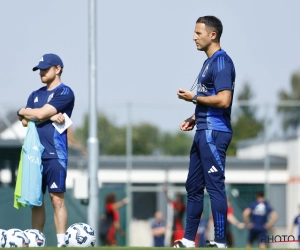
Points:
[(195, 99)]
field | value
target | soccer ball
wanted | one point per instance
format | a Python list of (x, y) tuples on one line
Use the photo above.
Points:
[(80, 235), (14, 238), (2, 231), (36, 238)]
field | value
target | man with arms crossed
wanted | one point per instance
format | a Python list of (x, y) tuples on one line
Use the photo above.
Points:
[(44, 106), (213, 102)]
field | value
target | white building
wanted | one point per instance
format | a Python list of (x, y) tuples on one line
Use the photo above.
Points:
[(287, 148)]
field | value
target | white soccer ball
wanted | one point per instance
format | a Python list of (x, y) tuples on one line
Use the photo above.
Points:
[(2, 231), (36, 238), (80, 235), (14, 238)]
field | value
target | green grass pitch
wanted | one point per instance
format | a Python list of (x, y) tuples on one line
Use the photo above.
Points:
[(141, 248)]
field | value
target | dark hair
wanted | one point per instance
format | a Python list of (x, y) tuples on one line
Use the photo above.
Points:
[(213, 23), (110, 198), (179, 197), (61, 71), (260, 193)]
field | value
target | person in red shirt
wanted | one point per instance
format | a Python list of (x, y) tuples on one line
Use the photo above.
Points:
[(179, 210), (110, 220)]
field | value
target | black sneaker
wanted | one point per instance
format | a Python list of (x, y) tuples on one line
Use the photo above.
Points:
[(213, 244), (179, 244)]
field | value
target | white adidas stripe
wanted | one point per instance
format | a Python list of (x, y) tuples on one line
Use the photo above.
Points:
[(212, 170), (53, 185), (213, 167)]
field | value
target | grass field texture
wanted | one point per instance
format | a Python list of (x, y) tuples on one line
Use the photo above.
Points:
[(141, 248)]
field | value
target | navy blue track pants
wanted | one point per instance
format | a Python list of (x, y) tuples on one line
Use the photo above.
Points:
[(207, 170)]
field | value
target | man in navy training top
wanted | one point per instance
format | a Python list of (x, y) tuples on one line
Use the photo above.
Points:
[(45, 106), (213, 102), (256, 217), (159, 228)]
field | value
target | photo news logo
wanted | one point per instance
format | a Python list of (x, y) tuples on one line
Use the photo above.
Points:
[(279, 238)]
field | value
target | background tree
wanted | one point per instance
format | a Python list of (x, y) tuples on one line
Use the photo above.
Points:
[(246, 125), (112, 138), (290, 115), (147, 139), (176, 144)]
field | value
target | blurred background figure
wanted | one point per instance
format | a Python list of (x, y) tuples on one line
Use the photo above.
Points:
[(203, 231), (159, 230), (231, 220), (296, 223), (73, 142), (110, 220), (178, 213), (256, 218)]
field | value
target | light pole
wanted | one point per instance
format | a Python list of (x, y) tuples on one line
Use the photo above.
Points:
[(128, 167), (93, 144)]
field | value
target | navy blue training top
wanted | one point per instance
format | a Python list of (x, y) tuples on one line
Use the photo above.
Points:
[(217, 74), (260, 213), (62, 98), (159, 240)]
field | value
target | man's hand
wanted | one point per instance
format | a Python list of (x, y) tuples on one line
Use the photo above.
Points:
[(24, 122), (268, 226), (59, 118), (240, 225), (19, 115), (187, 124), (249, 225), (185, 95), (125, 200)]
